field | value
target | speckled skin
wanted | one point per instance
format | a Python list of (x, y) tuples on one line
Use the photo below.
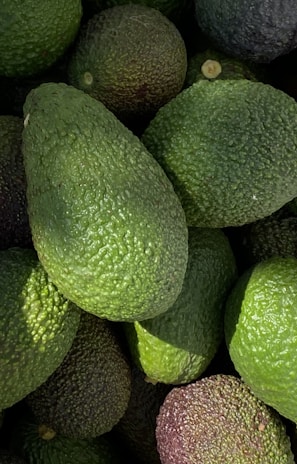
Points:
[(136, 56), (105, 220), (89, 392), (37, 325), (217, 419), (34, 35), (229, 148), (254, 30)]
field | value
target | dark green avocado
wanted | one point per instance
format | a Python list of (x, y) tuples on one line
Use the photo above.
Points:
[(253, 30)]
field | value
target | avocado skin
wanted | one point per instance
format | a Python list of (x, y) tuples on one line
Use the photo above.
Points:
[(89, 392), (256, 30), (106, 222), (37, 325)]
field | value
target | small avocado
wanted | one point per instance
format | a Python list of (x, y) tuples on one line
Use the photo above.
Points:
[(217, 419), (89, 392), (132, 58)]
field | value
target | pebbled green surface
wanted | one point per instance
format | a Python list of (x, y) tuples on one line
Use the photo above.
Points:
[(229, 148), (177, 346), (33, 35), (136, 57), (217, 419), (89, 392), (249, 29), (37, 325), (105, 220), (261, 333)]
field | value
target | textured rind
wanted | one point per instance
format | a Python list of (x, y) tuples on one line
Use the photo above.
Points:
[(136, 56), (261, 334), (34, 35), (254, 30), (14, 223), (37, 325), (35, 450), (89, 392), (105, 220), (7, 457), (229, 148), (218, 420), (177, 346)]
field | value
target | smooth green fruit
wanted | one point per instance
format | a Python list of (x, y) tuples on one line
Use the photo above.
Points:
[(33, 34), (177, 346), (218, 419), (105, 220), (261, 332), (37, 325), (229, 148), (130, 57)]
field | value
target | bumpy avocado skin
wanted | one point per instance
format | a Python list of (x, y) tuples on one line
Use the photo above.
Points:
[(35, 35), (177, 346), (229, 148), (132, 58), (218, 419), (37, 325), (89, 392), (252, 30), (105, 220), (136, 429), (14, 223)]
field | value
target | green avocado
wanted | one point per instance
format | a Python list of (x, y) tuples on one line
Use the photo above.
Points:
[(229, 149), (106, 222), (34, 35), (37, 325), (177, 346)]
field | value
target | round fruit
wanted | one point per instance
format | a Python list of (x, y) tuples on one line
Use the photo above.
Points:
[(261, 331)]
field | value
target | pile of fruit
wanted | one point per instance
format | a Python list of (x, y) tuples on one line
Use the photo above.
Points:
[(148, 232)]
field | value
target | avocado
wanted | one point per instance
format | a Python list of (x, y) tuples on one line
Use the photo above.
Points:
[(136, 429), (227, 170), (105, 220), (38, 444), (196, 424), (176, 347), (14, 228), (213, 64), (132, 58), (37, 325), (35, 35), (90, 390), (251, 30)]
